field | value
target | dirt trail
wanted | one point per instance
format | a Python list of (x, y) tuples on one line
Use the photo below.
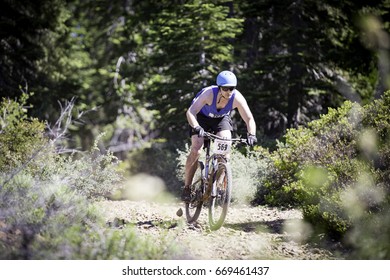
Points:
[(248, 232)]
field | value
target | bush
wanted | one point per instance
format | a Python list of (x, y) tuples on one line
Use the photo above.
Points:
[(20, 137), (46, 211), (324, 169), (92, 174), (249, 169), (49, 220)]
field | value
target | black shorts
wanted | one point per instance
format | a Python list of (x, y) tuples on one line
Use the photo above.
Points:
[(213, 125)]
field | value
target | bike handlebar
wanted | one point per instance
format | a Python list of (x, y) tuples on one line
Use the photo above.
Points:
[(214, 136)]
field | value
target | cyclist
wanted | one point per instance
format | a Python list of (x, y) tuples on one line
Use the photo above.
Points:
[(210, 111)]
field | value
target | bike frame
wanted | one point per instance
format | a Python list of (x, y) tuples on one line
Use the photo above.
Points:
[(214, 162), (215, 159), (206, 187)]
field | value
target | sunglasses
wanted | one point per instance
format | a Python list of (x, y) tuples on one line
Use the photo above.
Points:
[(227, 88)]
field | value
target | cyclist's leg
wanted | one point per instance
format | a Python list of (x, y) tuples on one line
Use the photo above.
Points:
[(191, 164), (228, 135), (192, 159), (224, 129), (196, 147), (225, 133)]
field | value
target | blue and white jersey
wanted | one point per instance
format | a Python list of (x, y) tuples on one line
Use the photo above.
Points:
[(211, 111)]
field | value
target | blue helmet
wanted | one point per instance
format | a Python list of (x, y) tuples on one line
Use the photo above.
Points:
[(226, 79)]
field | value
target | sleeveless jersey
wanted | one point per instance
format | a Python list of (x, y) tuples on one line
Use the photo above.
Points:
[(211, 111)]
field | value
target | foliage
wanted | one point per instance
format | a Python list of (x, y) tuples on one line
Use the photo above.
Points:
[(336, 169), (93, 174), (47, 212), (28, 32), (206, 31), (249, 171), (125, 60), (302, 61), (20, 136), (49, 220), (327, 142), (135, 66), (36, 54)]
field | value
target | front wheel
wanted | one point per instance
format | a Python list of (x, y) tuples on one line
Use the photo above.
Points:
[(194, 206), (219, 203)]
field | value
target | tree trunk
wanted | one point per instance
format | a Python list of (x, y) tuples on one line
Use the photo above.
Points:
[(295, 91)]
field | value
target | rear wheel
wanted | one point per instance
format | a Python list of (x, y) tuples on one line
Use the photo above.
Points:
[(219, 203), (194, 206)]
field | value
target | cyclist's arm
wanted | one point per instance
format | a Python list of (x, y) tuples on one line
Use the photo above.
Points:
[(245, 113), (203, 99)]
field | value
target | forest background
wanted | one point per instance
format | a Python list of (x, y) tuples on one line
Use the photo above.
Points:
[(128, 70)]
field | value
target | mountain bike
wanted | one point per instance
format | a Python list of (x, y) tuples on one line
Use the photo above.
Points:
[(212, 182)]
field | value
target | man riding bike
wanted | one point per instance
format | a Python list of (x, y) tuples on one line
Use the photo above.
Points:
[(210, 111)]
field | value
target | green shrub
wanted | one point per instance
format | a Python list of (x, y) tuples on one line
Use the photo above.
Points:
[(46, 211), (49, 220), (37, 214), (320, 168), (92, 174), (326, 143), (20, 137), (249, 169)]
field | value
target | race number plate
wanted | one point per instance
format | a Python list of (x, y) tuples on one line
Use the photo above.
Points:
[(222, 147)]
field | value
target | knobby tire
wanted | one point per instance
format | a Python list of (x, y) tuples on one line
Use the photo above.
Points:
[(194, 207), (219, 204)]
